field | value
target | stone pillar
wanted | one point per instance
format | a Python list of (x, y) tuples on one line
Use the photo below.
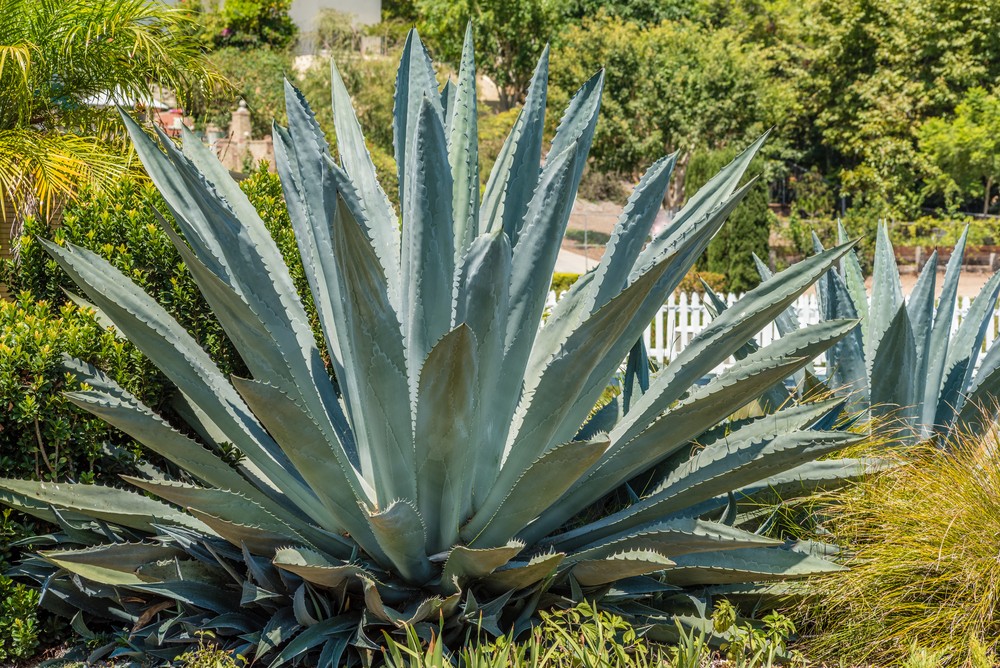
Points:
[(213, 133), (239, 126)]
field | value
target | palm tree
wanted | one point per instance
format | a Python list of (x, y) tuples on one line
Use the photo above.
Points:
[(56, 58)]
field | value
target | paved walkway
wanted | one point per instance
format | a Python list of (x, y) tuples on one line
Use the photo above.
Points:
[(569, 262)]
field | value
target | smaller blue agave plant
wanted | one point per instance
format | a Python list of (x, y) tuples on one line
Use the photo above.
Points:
[(904, 361)]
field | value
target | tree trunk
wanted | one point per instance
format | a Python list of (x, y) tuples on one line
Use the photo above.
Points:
[(986, 197)]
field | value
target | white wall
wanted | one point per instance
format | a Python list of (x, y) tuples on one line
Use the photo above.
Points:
[(304, 12)]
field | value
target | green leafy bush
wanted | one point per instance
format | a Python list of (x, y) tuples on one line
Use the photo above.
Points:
[(41, 434), (244, 23), (121, 225), (18, 621), (256, 75), (748, 645), (209, 655), (563, 281)]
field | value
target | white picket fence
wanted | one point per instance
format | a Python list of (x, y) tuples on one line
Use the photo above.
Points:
[(684, 315)]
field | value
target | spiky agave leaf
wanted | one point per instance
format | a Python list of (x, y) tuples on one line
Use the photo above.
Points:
[(437, 477)]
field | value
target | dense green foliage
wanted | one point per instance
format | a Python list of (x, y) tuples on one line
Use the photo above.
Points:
[(875, 71), (715, 82), (732, 250), (255, 75), (848, 84), (245, 24), (964, 151), (18, 621), (42, 435)]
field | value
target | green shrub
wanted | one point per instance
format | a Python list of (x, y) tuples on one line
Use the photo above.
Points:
[(18, 620), (749, 645), (42, 435), (256, 75), (245, 23), (208, 655), (924, 578), (121, 226), (598, 186)]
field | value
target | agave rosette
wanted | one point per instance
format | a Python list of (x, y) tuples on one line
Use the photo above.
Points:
[(456, 466), (907, 363)]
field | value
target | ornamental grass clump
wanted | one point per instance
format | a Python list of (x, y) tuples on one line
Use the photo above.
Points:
[(924, 569), (453, 473)]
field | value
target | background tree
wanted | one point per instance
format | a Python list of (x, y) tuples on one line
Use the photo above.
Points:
[(748, 229), (964, 151), (245, 23), (875, 70), (670, 87), (510, 35), (58, 56)]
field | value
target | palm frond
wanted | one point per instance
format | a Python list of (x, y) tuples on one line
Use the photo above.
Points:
[(39, 169)]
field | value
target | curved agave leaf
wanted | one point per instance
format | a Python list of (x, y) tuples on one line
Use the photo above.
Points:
[(619, 566), (119, 506), (545, 480), (428, 250), (415, 82), (887, 295), (313, 566), (747, 565), (941, 332), (892, 383), (516, 169), (463, 151), (465, 563), (671, 539), (112, 564), (522, 575), (447, 404)]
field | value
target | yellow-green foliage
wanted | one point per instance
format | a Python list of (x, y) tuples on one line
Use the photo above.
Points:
[(580, 637), (209, 655), (749, 646), (692, 282), (925, 573), (563, 281)]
